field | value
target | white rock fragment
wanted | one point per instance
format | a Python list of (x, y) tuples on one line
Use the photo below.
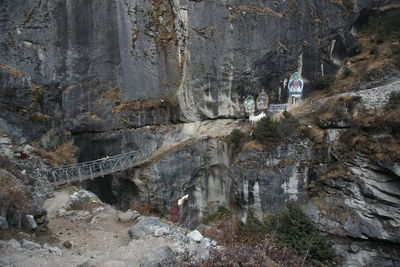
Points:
[(195, 235)]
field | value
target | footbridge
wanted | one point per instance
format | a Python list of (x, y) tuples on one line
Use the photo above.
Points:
[(97, 168)]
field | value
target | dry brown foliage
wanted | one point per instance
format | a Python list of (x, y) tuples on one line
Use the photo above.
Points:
[(14, 72), (258, 9), (62, 155), (145, 209), (12, 190)]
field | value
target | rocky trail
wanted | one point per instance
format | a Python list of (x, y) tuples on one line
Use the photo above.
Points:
[(98, 236)]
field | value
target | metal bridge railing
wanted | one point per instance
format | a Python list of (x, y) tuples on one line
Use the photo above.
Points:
[(96, 168)]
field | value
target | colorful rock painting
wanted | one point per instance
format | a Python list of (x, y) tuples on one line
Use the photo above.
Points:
[(249, 104), (295, 85), (262, 100)]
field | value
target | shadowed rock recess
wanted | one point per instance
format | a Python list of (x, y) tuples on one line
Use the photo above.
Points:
[(170, 76)]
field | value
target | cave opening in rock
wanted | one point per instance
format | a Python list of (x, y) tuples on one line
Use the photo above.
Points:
[(114, 190)]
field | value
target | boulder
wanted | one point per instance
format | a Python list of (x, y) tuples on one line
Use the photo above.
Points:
[(146, 226), (29, 245), (14, 244), (3, 223), (67, 244), (161, 231), (195, 236), (128, 216), (29, 222), (78, 199), (162, 256), (53, 250)]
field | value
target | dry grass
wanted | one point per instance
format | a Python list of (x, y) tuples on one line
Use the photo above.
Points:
[(38, 116), (253, 145), (113, 93), (11, 188), (62, 155), (14, 72), (90, 115), (258, 9), (137, 105)]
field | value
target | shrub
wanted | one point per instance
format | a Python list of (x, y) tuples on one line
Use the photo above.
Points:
[(347, 72), (356, 49), (380, 38), (374, 51), (296, 231), (348, 4), (394, 101), (236, 137), (324, 82), (267, 130), (288, 124), (388, 25), (174, 213), (221, 214)]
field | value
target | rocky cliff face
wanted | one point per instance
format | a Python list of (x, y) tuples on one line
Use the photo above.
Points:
[(105, 65), (124, 75)]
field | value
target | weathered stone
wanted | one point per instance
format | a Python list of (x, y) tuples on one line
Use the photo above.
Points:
[(53, 250), (128, 216), (161, 231), (14, 243), (162, 256), (3, 223), (195, 235), (79, 199), (29, 245), (146, 226), (67, 244), (29, 223)]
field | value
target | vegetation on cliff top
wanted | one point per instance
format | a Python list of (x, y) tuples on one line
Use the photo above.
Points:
[(286, 239)]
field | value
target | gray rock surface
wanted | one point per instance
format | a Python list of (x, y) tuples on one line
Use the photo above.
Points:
[(29, 245), (202, 69), (128, 216), (15, 219), (14, 244), (3, 223), (29, 222), (162, 231), (53, 250), (145, 227), (162, 256)]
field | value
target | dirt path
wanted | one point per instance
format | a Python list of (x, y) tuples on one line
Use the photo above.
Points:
[(99, 240)]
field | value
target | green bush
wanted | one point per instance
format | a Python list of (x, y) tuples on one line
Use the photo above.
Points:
[(294, 230), (347, 72), (254, 228), (388, 25), (267, 130), (288, 124), (374, 51), (324, 82), (394, 101), (236, 137), (356, 49)]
